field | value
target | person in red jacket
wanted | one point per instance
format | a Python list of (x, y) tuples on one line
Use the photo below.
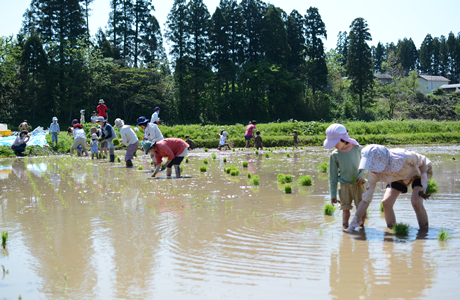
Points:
[(102, 109), (174, 149)]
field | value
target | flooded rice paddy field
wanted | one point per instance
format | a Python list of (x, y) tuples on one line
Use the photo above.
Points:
[(83, 229)]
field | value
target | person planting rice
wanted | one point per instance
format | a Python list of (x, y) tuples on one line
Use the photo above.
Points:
[(258, 141), (343, 168), (190, 142), (151, 131), (79, 139), (223, 137), (93, 146), (20, 143), (155, 119), (128, 138), (249, 134), (174, 149), (108, 134), (399, 168)]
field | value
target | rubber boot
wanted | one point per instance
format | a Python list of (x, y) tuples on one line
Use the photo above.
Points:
[(177, 169), (129, 164), (112, 157)]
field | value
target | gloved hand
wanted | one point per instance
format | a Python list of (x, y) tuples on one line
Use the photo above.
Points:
[(424, 180)]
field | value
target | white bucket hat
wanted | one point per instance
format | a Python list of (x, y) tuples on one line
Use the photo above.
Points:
[(335, 133), (101, 101), (378, 158), (55, 119), (119, 123)]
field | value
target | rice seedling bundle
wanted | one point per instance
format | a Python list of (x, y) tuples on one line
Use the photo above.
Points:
[(305, 180), (288, 178), (205, 161), (444, 235), (255, 180), (281, 178), (323, 167), (287, 188), (329, 209), (203, 169), (400, 229), (245, 164)]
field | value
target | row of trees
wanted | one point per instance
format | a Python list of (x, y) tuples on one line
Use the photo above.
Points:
[(248, 60)]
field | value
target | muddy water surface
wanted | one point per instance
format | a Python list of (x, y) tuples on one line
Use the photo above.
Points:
[(83, 229)]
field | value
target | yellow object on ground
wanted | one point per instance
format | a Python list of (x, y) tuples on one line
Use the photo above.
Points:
[(5, 133)]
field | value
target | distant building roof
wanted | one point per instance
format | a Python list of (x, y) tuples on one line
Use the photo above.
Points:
[(450, 86), (433, 78), (383, 76)]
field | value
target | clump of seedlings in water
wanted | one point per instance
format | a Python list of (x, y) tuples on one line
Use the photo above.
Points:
[(233, 149), (323, 167), (249, 175), (267, 155), (255, 180), (305, 180), (4, 238), (234, 172), (205, 149), (140, 168), (444, 235), (224, 159), (118, 159), (288, 178), (181, 168), (287, 155), (329, 209), (430, 190), (287, 188), (400, 229), (257, 152), (213, 156), (186, 159), (281, 178), (203, 169), (205, 161), (104, 156), (245, 164)]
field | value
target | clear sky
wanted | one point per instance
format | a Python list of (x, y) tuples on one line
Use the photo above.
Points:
[(388, 20)]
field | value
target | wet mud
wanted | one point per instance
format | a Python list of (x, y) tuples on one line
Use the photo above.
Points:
[(86, 229)]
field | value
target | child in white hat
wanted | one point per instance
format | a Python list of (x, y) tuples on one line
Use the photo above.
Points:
[(54, 130), (343, 168), (93, 145)]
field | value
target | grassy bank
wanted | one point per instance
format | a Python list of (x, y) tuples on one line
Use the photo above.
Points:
[(276, 134)]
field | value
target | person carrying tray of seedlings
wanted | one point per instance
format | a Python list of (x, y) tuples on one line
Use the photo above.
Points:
[(128, 138), (343, 168), (174, 149), (108, 134), (399, 168)]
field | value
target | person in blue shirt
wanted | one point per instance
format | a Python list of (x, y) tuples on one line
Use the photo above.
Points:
[(54, 130)]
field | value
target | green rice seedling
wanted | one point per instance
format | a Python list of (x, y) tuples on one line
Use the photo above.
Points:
[(135, 153), (163, 166), (104, 156), (225, 170), (233, 149), (206, 149), (323, 167), (267, 155), (224, 159), (203, 169), (400, 229), (234, 172), (213, 156), (305, 180), (432, 189), (205, 161), (444, 235), (255, 180), (228, 170), (245, 164), (186, 160), (116, 142), (249, 175), (381, 206), (181, 168), (288, 178), (257, 152), (4, 238), (140, 168), (287, 188), (329, 209), (100, 155), (287, 155), (281, 178), (118, 159)]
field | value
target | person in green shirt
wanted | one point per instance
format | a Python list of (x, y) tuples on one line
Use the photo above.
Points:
[(343, 169)]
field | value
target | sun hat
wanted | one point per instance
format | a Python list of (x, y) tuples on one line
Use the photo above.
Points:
[(147, 145), (100, 119), (82, 111), (335, 133), (142, 120), (74, 121), (101, 101), (119, 122), (94, 136), (378, 158), (77, 125), (156, 109), (54, 119), (23, 131), (254, 122)]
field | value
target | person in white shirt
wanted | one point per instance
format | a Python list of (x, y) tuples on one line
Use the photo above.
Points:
[(128, 138), (151, 132), (54, 130), (79, 138), (155, 116), (20, 143)]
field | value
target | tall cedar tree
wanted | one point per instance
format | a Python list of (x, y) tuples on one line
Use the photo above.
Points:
[(342, 46), (315, 29), (453, 47), (378, 57), (199, 28), (436, 58), (407, 54), (426, 55), (295, 29), (177, 32), (86, 4), (359, 60), (443, 56), (253, 12)]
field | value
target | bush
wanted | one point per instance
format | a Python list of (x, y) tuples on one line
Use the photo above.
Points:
[(255, 180), (287, 188), (203, 169), (329, 209), (305, 180), (323, 167), (400, 229), (245, 164), (439, 92)]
